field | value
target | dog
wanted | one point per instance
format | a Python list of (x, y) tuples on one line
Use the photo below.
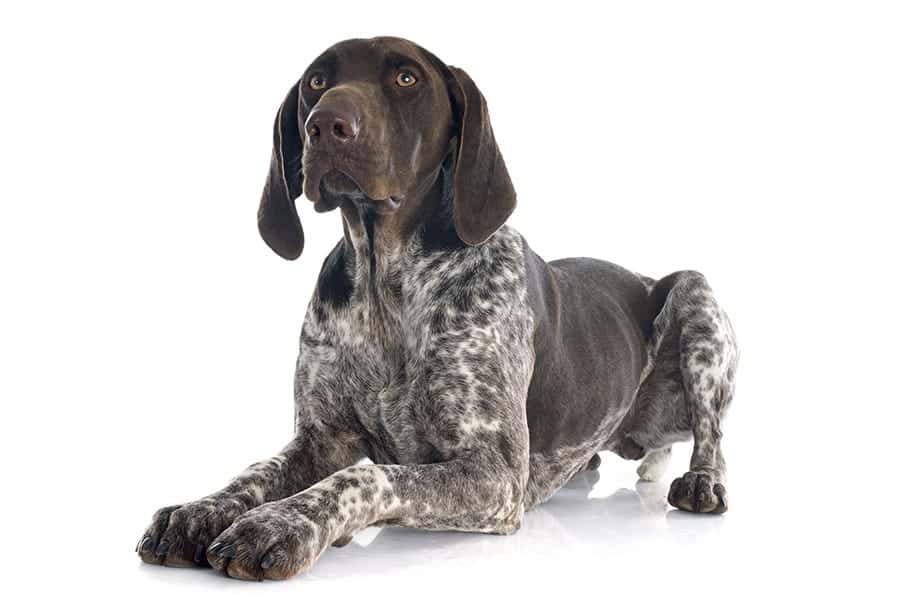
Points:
[(477, 378)]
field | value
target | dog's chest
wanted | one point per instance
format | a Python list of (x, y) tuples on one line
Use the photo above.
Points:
[(408, 362), (389, 364), (362, 361)]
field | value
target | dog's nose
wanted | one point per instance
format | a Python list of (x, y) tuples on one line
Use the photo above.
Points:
[(332, 124)]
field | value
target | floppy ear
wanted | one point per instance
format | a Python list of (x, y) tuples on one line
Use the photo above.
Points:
[(279, 224), (483, 192)]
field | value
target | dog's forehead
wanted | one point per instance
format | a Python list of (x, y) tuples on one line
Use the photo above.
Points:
[(360, 56)]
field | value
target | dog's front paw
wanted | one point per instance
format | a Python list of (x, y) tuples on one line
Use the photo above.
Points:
[(699, 493), (179, 535), (269, 542)]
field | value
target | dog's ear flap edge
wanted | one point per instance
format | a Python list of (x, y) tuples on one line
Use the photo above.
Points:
[(484, 196), (277, 218)]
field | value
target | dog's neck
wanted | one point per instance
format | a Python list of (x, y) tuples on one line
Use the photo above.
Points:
[(379, 241)]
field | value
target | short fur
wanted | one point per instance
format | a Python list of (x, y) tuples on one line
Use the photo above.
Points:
[(477, 377)]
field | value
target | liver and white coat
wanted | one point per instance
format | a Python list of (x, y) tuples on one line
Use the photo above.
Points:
[(476, 377)]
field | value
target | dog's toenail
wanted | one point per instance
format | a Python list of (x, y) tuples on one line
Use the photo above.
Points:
[(162, 548), (267, 561), (226, 551)]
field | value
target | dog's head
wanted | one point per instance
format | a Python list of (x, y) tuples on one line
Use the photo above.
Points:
[(372, 122)]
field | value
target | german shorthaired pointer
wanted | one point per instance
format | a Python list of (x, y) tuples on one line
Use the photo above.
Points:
[(477, 377)]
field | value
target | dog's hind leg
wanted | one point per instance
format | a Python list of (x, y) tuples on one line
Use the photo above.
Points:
[(654, 464), (707, 359)]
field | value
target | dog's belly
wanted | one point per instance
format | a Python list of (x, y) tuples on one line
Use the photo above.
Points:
[(592, 320)]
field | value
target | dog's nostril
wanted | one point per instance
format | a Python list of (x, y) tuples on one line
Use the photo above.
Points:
[(324, 126)]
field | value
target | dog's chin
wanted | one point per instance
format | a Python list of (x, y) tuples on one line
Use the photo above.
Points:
[(337, 188)]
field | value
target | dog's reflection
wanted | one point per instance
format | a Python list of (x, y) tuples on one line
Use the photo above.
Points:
[(580, 514)]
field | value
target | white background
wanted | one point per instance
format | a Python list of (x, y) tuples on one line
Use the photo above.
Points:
[(149, 336)]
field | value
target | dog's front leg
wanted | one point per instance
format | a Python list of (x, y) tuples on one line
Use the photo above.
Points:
[(476, 492), (179, 535), (471, 403)]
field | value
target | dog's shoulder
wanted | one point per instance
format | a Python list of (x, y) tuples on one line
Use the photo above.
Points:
[(496, 265)]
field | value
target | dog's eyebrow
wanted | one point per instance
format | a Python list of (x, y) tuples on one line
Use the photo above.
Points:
[(396, 59), (325, 60)]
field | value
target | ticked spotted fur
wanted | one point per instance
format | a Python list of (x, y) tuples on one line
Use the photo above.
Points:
[(477, 378)]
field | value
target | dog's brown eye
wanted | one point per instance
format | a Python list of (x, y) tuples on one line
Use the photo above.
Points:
[(406, 79), (317, 81)]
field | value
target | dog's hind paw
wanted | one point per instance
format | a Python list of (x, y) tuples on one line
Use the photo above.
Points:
[(654, 464), (699, 493)]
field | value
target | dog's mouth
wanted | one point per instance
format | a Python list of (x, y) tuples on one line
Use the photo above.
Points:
[(337, 185), (331, 187)]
